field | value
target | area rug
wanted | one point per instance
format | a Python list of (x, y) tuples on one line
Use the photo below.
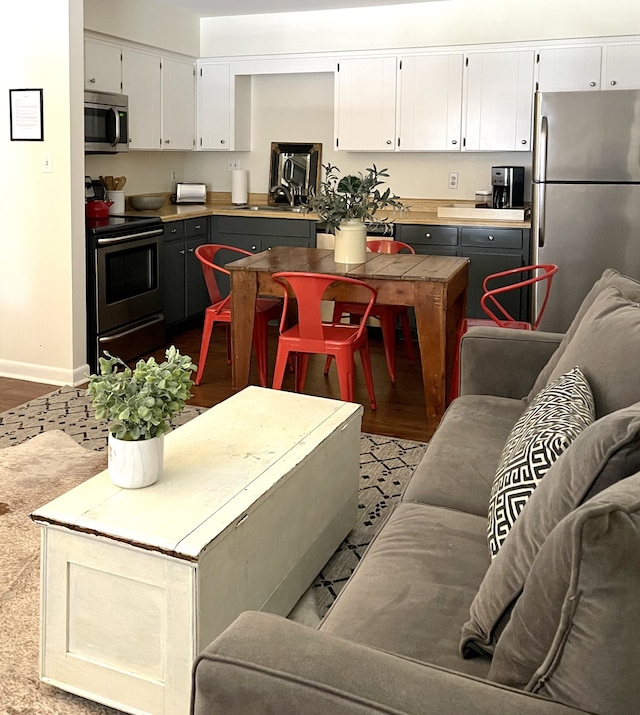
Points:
[(54, 443)]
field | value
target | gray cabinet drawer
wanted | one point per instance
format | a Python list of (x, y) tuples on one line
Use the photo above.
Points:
[(491, 237), (275, 227), (173, 230), (196, 226), (427, 235)]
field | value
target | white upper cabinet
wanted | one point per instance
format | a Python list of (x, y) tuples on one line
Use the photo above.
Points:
[(567, 69), (622, 67), (102, 66), (224, 108), (178, 100), (499, 101), (365, 104), (141, 81), (430, 102)]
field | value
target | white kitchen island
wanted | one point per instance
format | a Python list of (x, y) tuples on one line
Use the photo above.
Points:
[(255, 496)]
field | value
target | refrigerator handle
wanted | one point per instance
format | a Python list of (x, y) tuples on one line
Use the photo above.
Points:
[(539, 187)]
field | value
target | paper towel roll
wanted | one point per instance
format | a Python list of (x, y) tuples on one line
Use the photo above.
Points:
[(239, 183)]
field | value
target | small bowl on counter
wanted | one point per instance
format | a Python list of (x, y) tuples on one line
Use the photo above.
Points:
[(146, 203)]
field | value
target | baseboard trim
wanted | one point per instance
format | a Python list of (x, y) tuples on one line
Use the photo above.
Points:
[(44, 373)]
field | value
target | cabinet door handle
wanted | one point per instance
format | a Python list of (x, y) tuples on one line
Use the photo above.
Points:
[(613, 83), (197, 227), (389, 141), (254, 248), (222, 141), (454, 141), (174, 230), (92, 80), (524, 141), (270, 247), (191, 250), (167, 141), (592, 84), (181, 252)]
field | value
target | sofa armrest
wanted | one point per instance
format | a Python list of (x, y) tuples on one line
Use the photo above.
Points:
[(502, 361), (267, 664)]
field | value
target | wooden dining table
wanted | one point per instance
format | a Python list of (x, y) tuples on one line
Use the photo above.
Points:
[(435, 286)]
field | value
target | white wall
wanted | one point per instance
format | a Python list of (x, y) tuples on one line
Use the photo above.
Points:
[(42, 241), (444, 22)]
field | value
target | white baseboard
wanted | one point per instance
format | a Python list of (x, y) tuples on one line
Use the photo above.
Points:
[(43, 373)]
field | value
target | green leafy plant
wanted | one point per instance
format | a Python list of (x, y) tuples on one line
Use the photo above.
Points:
[(355, 196), (139, 403)]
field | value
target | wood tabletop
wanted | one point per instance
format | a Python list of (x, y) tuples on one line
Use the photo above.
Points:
[(398, 266)]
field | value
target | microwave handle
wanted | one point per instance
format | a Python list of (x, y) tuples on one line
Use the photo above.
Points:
[(116, 118)]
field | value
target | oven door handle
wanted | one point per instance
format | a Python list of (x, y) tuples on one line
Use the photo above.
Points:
[(130, 237)]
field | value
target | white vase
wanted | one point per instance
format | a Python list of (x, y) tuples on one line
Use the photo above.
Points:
[(351, 242), (132, 465)]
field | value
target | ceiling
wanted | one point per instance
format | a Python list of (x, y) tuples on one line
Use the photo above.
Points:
[(219, 8)]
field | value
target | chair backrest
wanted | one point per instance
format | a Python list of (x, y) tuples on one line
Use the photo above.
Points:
[(308, 290), (206, 254), (489, 301), (381, 246)]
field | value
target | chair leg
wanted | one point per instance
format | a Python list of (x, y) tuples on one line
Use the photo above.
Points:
[(406, 332), (260, 337), (365, 358), (344, 363), (204, 346), (282, 358), (302, 364)]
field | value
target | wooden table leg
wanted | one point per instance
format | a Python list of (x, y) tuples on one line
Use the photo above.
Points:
[(431, 323), (244, 288)]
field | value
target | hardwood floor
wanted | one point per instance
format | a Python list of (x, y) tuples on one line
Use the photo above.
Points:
[(401, 409)]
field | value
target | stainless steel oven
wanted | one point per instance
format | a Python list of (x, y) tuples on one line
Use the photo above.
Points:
[(124, 304)]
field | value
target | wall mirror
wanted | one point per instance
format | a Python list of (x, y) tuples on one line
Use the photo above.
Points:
[(295, 170)]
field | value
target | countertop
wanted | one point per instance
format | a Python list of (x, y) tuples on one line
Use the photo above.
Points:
[(420, 211)]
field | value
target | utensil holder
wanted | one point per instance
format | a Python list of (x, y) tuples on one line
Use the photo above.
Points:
[(117, 207)]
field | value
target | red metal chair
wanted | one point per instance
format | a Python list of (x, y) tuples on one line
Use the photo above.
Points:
[(387, 314), (498, 314), (220, 309), (311, 336)]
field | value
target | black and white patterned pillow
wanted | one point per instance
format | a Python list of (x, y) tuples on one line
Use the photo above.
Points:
[(550, 423)]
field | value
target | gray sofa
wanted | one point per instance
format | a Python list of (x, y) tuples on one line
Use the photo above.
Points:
[(429, 623)]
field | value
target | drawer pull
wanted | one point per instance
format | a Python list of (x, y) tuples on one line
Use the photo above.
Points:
[(388, 141), (613, 83), (524, 141), (454, 141), (197, 227), (174, 230), (427, 235), (491, 238), (592, 84)]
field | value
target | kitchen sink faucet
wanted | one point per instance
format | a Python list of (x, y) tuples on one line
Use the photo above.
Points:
[(282, 191)]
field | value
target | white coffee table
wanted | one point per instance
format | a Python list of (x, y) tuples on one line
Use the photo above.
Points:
[(256, 495)]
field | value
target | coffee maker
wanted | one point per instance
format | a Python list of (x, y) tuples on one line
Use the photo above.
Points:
[(508, 187)]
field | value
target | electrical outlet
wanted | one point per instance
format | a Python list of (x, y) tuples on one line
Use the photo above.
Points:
[(172, 176), (233, 164), (453, 179)]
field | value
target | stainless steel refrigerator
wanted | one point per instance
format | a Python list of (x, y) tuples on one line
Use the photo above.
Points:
[(585, 193)]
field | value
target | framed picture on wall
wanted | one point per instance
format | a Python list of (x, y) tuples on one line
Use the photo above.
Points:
[(26, 115)]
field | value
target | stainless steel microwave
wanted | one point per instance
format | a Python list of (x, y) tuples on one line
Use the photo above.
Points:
[(106, 123)]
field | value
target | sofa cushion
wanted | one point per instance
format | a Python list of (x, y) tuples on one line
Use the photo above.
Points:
[(418, 579), (555, 417), (460, 463), (606, 452), (629, 289), (573, 634)]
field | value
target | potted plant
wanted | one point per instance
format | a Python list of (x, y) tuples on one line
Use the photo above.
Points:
[(138, 404), (348, 203)]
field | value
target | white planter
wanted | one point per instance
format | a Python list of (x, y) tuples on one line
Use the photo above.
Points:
[(351, 242), (133, 465)]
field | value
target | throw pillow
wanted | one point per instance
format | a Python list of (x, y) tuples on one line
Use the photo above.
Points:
[(629, 289), (605, 452), (547, 427), (573, 634)]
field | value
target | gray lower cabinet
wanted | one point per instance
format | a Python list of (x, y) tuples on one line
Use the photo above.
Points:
[(490, 250), (183, 287)]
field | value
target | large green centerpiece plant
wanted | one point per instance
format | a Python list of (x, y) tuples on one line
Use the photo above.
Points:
[(138, 403), (347, 204), (354, 196)]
